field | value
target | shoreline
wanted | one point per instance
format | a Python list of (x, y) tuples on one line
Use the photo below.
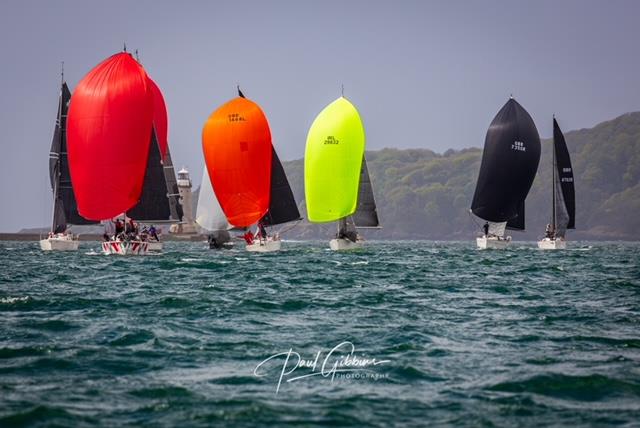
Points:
[(34, 237)]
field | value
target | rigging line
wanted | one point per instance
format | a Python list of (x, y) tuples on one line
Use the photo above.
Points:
[(474, 221), (324, 227), (290, 227)]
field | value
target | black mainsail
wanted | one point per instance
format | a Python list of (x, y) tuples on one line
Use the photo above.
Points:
[(173, 194), (564, 206), (509, 164), (366, 214), (282, 205), (159, 198), (65, 208)]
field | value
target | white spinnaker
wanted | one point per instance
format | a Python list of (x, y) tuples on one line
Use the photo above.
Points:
[(209, 214), (497, 229)]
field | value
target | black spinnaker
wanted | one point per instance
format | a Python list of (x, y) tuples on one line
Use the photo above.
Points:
[(65, 211), (509, 164)]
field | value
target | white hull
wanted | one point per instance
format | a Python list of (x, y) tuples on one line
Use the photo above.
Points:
[(123, 248), (341, 244), (552, 244), (485, 242), (59, 243), (264, 246), (155, 246)]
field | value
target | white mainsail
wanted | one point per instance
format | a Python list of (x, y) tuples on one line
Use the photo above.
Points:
[(497, 229), (209, 214)]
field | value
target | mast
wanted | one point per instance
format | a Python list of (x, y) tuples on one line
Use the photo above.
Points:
[(342, 225), (553, 185)]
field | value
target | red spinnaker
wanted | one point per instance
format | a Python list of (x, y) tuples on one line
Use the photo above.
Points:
[(108, 133), (237, 148), (160, 118)]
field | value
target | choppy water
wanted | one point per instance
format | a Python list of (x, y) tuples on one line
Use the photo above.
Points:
[(471, 337)]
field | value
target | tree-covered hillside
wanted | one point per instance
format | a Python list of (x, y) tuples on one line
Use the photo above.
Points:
[(422, 194)]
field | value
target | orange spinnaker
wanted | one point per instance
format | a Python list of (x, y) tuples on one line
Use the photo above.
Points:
[(236, 141), (108, 137)]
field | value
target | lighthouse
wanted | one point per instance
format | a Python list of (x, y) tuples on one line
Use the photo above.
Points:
[(187, 226)]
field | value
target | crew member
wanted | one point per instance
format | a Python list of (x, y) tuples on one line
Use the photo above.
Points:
[(154, 233)]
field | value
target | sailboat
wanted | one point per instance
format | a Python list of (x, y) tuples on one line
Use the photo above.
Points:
[(509, 164), (65, 211), (563, 204), (210, 217), (336, 177), (246, 174), (109, 133), (159, 201)]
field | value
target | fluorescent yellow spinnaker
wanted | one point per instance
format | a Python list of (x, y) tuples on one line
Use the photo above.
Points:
[(332, 162)]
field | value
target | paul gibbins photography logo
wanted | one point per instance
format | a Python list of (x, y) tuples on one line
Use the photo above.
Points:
[(341, 362)]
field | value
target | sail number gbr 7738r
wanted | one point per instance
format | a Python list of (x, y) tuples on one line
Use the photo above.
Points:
[(519, 146)]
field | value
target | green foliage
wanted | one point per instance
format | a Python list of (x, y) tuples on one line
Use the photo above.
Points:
[(423, 194)]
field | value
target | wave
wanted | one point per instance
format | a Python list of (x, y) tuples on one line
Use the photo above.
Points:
[(14, 300), (592, 387), (40, 413), (499, 338)]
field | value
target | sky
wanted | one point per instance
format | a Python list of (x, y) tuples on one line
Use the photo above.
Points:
[(423, 74)]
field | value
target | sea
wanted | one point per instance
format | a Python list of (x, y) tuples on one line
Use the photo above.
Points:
[(412, 333)]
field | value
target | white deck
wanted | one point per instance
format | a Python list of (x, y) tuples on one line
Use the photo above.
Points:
[(261, 246), (342, 244), (552, 244), (60, 242), (492, 242)]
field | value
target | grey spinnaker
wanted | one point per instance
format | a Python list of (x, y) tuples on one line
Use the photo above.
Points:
[(509, 164)]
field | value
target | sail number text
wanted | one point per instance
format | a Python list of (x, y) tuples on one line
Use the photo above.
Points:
[(519, 146), (331, 140)]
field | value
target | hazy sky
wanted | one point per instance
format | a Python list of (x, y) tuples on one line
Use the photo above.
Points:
[(428, 74)]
